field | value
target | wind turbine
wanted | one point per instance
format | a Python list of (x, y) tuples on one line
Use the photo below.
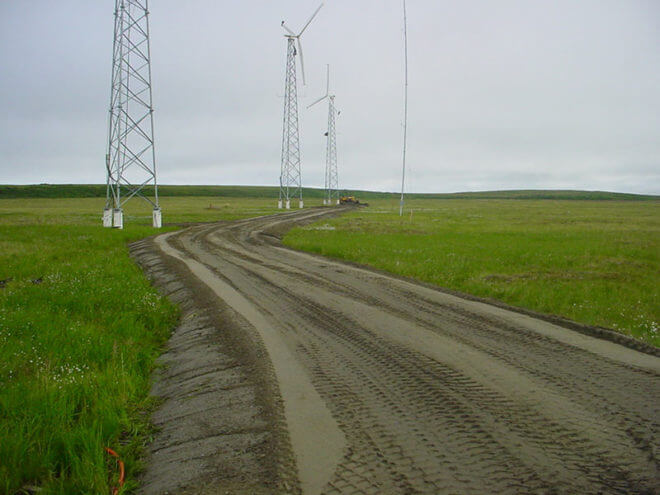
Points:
[(290, 180), (331, 175)]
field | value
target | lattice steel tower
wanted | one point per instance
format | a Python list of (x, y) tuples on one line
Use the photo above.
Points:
[(290, 178), (130, 158), (331, 195)]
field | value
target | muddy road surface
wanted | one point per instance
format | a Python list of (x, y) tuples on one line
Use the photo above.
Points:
[(369, 384)]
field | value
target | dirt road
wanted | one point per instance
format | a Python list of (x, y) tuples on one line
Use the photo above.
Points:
[(380, 385)]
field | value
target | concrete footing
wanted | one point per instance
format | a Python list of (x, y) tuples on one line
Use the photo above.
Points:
[(118, 218), (157, 218), (107, 217)]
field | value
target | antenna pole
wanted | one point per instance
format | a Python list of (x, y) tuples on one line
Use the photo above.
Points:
[(405, 105)]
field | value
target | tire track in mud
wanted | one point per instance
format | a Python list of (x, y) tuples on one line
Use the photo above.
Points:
[(433, 393)]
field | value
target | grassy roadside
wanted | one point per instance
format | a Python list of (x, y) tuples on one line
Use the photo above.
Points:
[(591, 261), (80, 327)]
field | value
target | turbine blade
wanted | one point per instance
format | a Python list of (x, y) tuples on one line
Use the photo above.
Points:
[(327, 87), (317, 101), (287, 29), (311, 19), (302, 62)]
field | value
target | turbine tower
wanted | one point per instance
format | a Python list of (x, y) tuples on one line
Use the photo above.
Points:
[(290, 179), (130, 159), (331, 176)]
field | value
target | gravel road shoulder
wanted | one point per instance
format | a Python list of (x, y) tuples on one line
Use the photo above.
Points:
[(217, 424)]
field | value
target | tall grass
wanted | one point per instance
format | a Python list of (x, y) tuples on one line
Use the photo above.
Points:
[(79, 330), (593, 262), (80, 327)]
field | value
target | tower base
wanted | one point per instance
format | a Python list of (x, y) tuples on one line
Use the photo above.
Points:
[(157, 217), (118, 218), (107, 217)]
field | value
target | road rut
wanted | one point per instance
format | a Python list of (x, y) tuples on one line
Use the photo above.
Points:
[(390, 386)]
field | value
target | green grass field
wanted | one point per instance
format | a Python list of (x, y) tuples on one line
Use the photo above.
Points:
[(595, 262), (80, 328)]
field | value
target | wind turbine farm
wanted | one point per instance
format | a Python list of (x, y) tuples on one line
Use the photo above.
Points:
[(487, 323)]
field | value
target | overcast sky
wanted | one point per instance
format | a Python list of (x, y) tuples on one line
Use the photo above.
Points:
[(504, 94)]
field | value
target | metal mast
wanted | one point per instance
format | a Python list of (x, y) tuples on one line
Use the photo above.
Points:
[(405, 106), (331, 175), (290, 178), (130, 158)]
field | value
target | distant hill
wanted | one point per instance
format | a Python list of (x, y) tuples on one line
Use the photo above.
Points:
[(98, 191), (544, 194)]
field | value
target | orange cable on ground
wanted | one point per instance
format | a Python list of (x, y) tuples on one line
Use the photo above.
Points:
[(122, 472)]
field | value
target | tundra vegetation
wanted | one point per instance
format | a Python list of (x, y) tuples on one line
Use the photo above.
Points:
[(595, 262), (80, 326)]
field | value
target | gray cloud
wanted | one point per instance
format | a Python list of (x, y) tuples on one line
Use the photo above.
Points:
[(503, 95)]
